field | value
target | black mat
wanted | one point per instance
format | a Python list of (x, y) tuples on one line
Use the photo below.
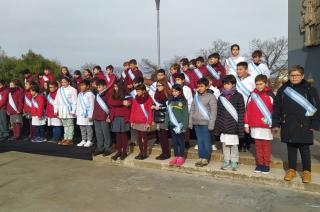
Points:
[(50, 149)]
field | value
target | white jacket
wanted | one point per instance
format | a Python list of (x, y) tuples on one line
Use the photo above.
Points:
[(249, 83), (229, 68), (61, 108), (261, 67), (88, 99), (187, 92)]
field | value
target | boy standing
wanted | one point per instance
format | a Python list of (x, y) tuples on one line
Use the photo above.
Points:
[(216, 70), (256, 67)]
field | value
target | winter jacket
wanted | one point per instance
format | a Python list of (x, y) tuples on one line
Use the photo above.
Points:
[(137, 114), (180, 110)]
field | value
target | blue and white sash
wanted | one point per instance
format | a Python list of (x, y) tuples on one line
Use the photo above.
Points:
[(301, 100), (107, 77), (172, 80), (213, 72), (45, 78), (27, 101), (203, 110), (34, 103), (0, 97), (102, 104), (229, 107), (131, 75), (85, 109), (65, 99), (256, 69), (145, 112), (187, 78), (153, 87), (50, 100), (198, 73), (242, 88), (267, 119), (232, 64), (123, 74), (133, 93), (12, 104), (178, 126)]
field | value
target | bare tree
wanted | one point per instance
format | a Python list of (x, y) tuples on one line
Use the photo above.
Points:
[(218, 46), (88, 66), (168, 63), (274, 53), (148, 68)]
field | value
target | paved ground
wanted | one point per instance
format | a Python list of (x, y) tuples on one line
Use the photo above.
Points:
[(43, 183)]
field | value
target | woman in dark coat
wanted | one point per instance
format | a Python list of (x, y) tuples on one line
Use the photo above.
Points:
[(296, 127)]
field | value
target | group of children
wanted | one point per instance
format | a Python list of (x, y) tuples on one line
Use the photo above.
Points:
[(231, 104)]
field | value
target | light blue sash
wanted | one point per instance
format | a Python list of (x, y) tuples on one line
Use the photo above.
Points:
[(256, 68), (123, 74), (27, 101), (242, 88), (263, 108), (65, 99), (50, 100), (133, 93), (203, 110), (0, 97), (229, 107), (301, 100), (171, 80), (131, 75), (34, 103), (145, 112), (178, 126), (198, 73), (102, 104), (107, 77), (153, 87), (213, 72), (85, 109), (232, 64), (12, 104)]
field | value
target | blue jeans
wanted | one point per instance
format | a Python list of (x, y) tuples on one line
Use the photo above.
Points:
[(56, 133), (39, 131), (204, 141), (178, 143)]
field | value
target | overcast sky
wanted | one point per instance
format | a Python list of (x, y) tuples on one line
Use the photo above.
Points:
[(111, 31)]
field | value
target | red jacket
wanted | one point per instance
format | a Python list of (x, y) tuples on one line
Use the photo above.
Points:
[(136, 72), (219, 68), (77, 82), (118, 109), (17, 97), (49, 106), (29, 78), (46, 78), (110, 84), (137, 115), (253, 116), (100, 75), (38, 111), (98, 112), (4, 97), (193, 79), (204, 72), (28, 95)]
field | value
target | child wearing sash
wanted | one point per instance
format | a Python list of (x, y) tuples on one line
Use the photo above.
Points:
[(27, 75), (232, 62), (132, 73), (161, 74), (4, 130), (189, 75), (110, 78), (100, 120), (46, 77), (53, 121), (229, 122), (65, 105), (97, 72), (77, 79), (200, 69), (84, 111), (245, 85), (174, 71), (296, 113), (258, 122), (202, 117), (141, 119), (177, 122), (120, 107), (38, 113), (216, 70), (159, 113), (28, 132), (256, 66), (87, 74), (15, 108)]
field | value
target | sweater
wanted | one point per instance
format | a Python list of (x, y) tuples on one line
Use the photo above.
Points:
[(98, 113), (117, 109)]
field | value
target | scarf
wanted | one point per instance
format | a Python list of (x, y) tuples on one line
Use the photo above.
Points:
[(229, 92), (160, 96), (142, 99)]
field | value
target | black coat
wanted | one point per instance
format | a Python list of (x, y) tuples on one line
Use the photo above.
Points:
[(225, 123), (290, 116)]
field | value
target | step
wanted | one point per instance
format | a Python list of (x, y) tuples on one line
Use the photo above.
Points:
[(244, 174)]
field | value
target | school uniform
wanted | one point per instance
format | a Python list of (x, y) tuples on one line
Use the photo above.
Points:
[(27, 118), (153, 89), (231, 64), (84, 112), (46, 78), (100, 75), (188, 95), (102, 128), (15, 109), (29, 78), (38, 115), (256, 69), (76, 83), (297, 125), (53, 120), (110, 80), (65, 105), (190, 79), (201, 72), (4, 130), (217, 79), (202, 117), (130, 75)]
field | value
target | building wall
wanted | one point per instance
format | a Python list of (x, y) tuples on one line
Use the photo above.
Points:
[(309, 57)]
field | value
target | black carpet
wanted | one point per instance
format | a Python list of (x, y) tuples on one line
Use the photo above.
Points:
[(50, 149)]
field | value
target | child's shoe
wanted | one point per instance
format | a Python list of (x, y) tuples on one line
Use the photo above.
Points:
[(173, 161), (214, 148), (291, 173), (265, 169), (61, 142), (42, 139), (225, 165), (258, 169), (198, 163), (34, 139), (180, 161), (88, 144), (116, 156), (82, 143), (196, 146), (234, 166), (123, 156), (204, 162), (67, 143), (306, 178)]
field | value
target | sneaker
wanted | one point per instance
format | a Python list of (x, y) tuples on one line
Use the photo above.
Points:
[(88, 144), (204, 162), (123, 156), (180, 161), (34, 139), (106, 153), (97, 152), (67, 143), (306, 178), (225, 165), (42, 139), (265, 170), (258, 169), (82, 143), (138, 157), (116, 156), (214, 148), (198, 163), (53, 140), (61, 142), (173, 161), (196, 146), (234, 166), (291, 173), (162, 157)]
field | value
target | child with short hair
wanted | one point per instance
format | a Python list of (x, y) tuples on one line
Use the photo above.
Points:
[(200, 69), (216, 70), (256, 66), (28, 133), (4, 93), (77, 79), (177, 122), (258, 122), (97, 72), (233, 60), (229, 122), (110, 78), (141, 119), (160, 75), (296, 113), (190, 76), (174, 71), (65, 105), (84, 113), (47, 76), (132, 73), (15, 108), (53, 121), (38, 113), (27, 75), (202, 117)]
